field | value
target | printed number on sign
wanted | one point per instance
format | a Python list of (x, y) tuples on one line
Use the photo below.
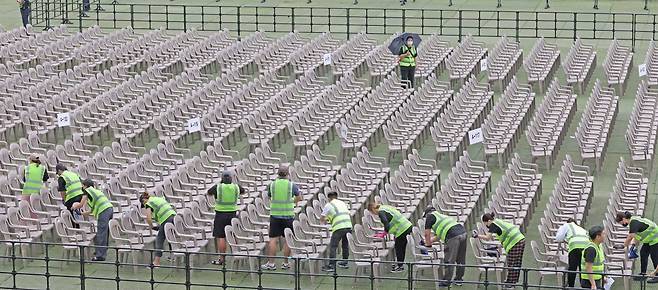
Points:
[(63, 120), (194, 125), (475, 136)]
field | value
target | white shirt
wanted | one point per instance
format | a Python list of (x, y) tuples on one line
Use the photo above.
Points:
[(562, 233), (326, 209)]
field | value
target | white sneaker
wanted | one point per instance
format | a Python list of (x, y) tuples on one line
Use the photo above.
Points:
[(268, 266), (285, 266)]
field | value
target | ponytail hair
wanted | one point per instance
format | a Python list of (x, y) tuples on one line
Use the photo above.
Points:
[(143, 197), (488, 217)]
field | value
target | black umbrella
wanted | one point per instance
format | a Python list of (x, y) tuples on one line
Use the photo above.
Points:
[(401, 40)]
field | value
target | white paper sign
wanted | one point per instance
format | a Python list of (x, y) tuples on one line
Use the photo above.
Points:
[(475, 136), (643, 69), (483, 64), (343, 131), (63, 119), (193, 125), (326, 59), (608, 283)]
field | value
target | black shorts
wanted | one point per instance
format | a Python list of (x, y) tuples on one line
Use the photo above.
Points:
[(278, 225), (68, 204), (222, 219)]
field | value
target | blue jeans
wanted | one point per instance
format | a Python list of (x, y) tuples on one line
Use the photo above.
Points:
[(102, 232)]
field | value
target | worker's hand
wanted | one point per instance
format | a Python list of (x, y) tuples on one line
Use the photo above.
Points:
[(594, 287), (86, 213), (475, 234)]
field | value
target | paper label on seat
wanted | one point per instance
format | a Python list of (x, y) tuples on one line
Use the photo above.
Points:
[(343, 131), (608, 283), (63, 119), (193, 125), (475, 136), (642, 68), (483, 64), (326, 59)]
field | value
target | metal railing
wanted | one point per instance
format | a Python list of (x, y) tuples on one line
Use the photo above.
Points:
[(42, 268), (348, 21)]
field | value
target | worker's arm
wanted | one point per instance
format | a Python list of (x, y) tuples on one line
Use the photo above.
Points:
[(325, 212), (212, 191), (61, 187), (428, 238), (629, 240), (149, 219), (590, 277), (81, 203), (487, 236), (561, 233)]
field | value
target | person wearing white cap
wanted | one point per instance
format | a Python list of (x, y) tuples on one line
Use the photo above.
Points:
[(35, 176), (226, 195)]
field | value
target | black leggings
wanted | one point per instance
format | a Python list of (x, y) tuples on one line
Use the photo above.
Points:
[(646, 252), (408, 73), (575, 256), (401, 246)]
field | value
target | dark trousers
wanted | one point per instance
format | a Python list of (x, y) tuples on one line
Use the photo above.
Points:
[(407, 73), (575, 256), (160, 238), (584, 283), (85, 5), (455, 253), (69, 204), (336, 237), (103, 232), (401, 246), (25, 15), (645, 252), (514, 261)]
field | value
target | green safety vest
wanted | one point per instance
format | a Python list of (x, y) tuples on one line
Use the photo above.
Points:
[(576, 237), (648, 236), (597, 266), (98, 202), (399, 224), (33, 179), (227, 197), (282, 202), (408, 60), (73, 184), (442, 224), (339, 215), (161, 209), (511, 234)]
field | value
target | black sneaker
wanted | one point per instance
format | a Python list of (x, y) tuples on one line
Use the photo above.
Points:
[(444, 284), (342, 265), (653, 280), (98, 259), (458, 282), (397, 269), (327, 268)]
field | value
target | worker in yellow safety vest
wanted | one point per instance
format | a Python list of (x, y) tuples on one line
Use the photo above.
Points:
[(576, 239), (337, 213), (512, 240), (396, 224), (101, 209), (645, 232), (158, 209), (592, 264)]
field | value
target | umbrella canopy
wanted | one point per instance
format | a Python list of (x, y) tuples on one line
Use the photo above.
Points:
[(401, 40)]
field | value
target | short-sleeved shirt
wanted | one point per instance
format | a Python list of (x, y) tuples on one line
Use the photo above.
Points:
[(386, 219), (636, 226), (451, 233), (494, 229), (61, 184), (590, 255), (295, 193), (213, 190)]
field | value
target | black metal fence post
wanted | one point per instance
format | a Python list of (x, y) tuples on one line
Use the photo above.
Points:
[(47, 260), (188, 278), (185, 18), (525, 279), (460, 25), (575, 26), (404, 20), (80, 13), (238, 21), (292, 19), (410, 276), (347, 29), (13, 264), (132, 16), (633, 28), (517, 26), (82, 267)]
